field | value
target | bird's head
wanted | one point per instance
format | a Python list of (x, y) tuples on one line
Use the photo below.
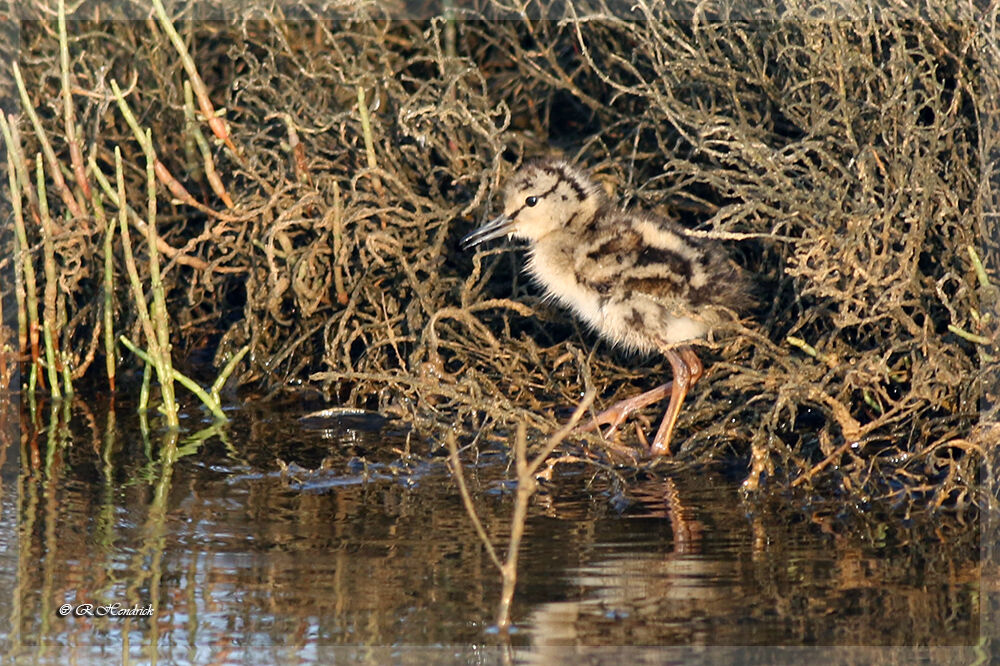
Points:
[(542, 197)]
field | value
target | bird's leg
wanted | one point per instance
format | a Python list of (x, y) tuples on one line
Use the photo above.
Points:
[(618, 412), (687, 369), (693, 363)]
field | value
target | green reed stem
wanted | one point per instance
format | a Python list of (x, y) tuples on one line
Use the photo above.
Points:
[(984, 279), (158, 333), (366, 128), (20, 280), (49, 327), (213, 404), (191, 144), (69, 116), (153, 317), (971, 337), (133, 124), (338, 244), (30, 286), (159, 316), (112, 196), (13, 138), (160, 320), (200, 91), (130, 267), (193, 132), (110, 358), (803, 345), (220, 381), (67, 375), (50, 154), (136, 283), (147, 374)]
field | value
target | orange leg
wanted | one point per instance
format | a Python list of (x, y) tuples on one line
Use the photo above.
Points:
[(687, 369), (618, 412)]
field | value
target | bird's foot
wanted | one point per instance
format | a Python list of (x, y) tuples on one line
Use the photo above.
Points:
[(620, 411), (615, 417)]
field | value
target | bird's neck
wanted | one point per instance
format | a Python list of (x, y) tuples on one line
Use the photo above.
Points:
[(584, 214), (550, 258), (551, 264)]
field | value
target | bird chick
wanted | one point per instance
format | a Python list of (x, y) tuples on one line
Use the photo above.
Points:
[(635, 278)]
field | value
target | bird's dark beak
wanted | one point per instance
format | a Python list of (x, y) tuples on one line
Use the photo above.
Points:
[(501, 226)]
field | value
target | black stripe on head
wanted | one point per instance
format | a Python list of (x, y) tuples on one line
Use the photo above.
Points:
[(540, 195), (517, 212), (559, 171), (527, 179)]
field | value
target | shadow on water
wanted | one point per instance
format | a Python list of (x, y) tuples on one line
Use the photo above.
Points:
[(273, 531)]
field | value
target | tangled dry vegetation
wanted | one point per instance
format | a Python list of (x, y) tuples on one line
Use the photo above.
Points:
[(858, 158)]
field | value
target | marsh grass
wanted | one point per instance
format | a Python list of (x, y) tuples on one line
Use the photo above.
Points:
[(312, 229)]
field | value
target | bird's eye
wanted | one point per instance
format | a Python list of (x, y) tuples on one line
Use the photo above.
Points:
[(531, 201)]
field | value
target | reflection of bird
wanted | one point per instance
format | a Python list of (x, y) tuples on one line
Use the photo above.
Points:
[(638, 279)]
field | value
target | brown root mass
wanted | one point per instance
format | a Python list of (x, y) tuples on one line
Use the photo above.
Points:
[(858, 156)]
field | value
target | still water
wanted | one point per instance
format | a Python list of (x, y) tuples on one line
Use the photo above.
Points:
[(301, 537)]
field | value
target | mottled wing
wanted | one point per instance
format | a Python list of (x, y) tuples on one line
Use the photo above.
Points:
[(640, 254)]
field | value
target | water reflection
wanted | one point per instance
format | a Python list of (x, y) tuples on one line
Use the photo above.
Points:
[(268, 533), (722, 577)]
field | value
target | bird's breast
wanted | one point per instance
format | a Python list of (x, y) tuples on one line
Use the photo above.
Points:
[(633, 320), (551, 265)]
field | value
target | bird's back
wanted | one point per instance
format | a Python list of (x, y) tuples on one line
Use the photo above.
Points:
[(638, 279)]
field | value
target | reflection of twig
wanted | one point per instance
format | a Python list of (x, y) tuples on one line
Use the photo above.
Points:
[(456, 469), (526, 487)]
